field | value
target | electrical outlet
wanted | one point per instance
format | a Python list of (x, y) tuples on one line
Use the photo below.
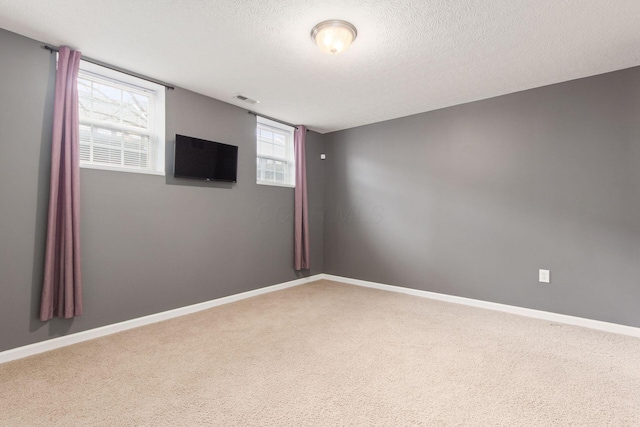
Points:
[(323, 156), (544, 276)]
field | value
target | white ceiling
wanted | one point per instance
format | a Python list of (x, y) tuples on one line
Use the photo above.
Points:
[(410, 56)]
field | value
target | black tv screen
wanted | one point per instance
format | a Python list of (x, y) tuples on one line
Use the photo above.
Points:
[(207, 160)]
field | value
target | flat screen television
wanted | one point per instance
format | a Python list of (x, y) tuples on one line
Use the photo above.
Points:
[(206, 160)]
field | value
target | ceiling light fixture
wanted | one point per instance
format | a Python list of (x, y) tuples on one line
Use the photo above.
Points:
[(334, 36)]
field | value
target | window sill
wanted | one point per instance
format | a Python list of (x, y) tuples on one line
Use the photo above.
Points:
[(275, 184), (117, 169)]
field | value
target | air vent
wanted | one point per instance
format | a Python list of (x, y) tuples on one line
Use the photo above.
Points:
[(245, 99)]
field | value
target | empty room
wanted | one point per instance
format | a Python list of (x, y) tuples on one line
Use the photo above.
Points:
[(340, 213)]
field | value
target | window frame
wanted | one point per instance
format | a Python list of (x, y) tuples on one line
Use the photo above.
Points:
[(159, 134), (289, 159)]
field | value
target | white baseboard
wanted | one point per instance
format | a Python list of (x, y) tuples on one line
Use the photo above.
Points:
[(528, 312), (52, 344)]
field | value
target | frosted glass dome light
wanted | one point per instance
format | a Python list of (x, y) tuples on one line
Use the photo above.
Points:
[(334, 36)]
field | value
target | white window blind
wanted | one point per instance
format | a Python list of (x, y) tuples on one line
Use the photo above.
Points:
[(275, 157), (119, 122)]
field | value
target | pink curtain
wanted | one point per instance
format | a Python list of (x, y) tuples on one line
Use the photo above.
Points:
[(301, 251), (62, 286)]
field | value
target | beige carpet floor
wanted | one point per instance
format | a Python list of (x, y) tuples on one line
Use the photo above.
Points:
[(332, 354)]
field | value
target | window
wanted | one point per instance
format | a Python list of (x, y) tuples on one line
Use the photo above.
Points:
[(121, 121), (275, 161)]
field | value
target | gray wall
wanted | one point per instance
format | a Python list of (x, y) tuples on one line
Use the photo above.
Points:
[(149, 243), (469, 200), (472, 200)]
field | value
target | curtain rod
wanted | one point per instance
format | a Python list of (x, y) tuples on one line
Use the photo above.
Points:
[(52, 49), (273, 120)]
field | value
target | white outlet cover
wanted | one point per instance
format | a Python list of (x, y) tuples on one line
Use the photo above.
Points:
[(323, 156), (544, 276)]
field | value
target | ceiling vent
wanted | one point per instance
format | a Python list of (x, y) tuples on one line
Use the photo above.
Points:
[(245, 99)]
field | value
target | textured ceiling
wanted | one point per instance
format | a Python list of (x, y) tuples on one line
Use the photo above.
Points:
[(410, 56)]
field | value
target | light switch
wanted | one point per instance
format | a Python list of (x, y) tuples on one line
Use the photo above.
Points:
[(323, 156), (544, 276)]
